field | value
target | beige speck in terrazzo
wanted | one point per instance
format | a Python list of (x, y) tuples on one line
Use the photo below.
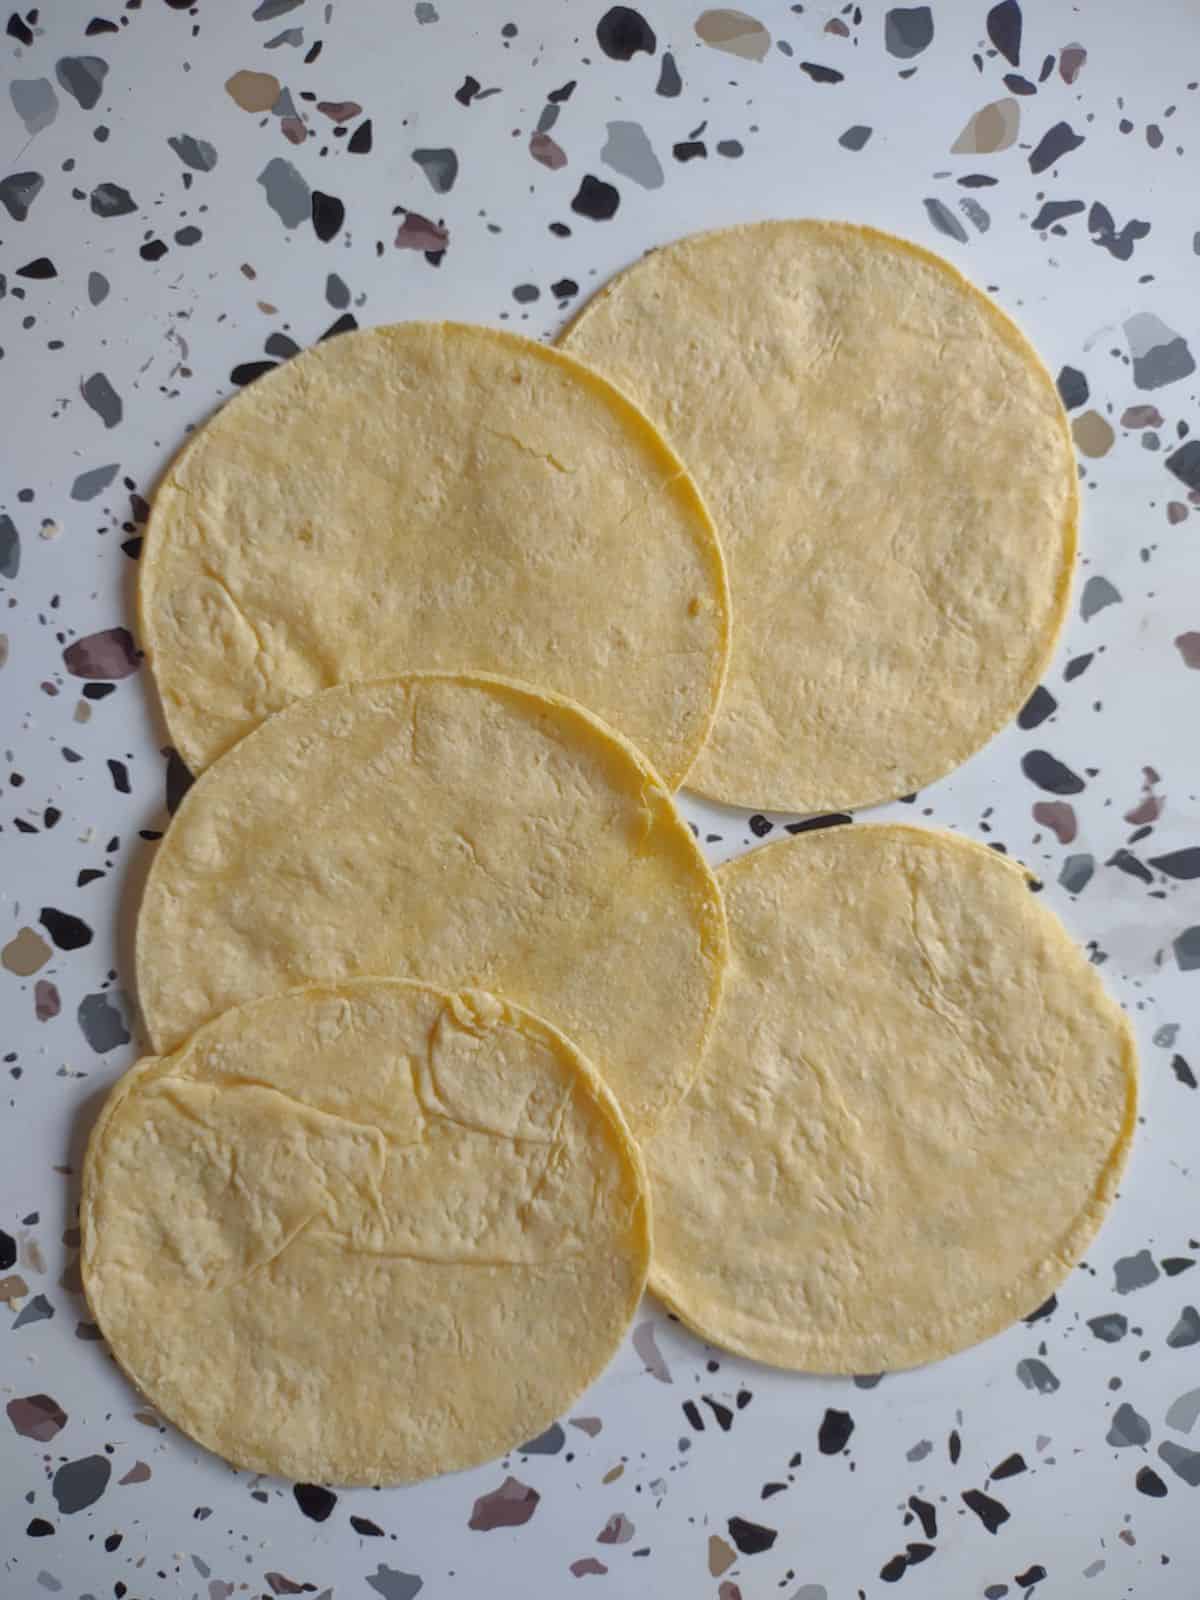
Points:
[(25, 954)]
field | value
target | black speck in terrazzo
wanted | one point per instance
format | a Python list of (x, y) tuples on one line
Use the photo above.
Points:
[(18, 192), (526, 293), (622, 32), (366, 1528), (153, 250), (1054, 211), (564, 288), (690, 150), (328, 214), (1149, 1483), (314, 1501), (1134, 1272), (104, 400), (670, 84), (1183, 1072), (1031, 1575), (82, 77), (18, 29), (1010, 1467), (79, 1484), (281, 346), (595, 199), (1073, 388), (1184, 463), (68, 932), (1128, 863), (346, 323), (1041, 768), (39, 270), (834, 1433), (1055, 143), (440, 166), (39, 1528), (692, 1412), (1040, 705), (820, 74), (1035, 1374), (907, 31), (1016, 84), (722, 1413), (1173, 1266), (361, 139), (832, 819), (990, 1512), (10, 548), (249, 372), (8, 1251), (1186, 1331), (1004, 30), (892, 1571), (110, 654), (925, 1513), (751, 1538)]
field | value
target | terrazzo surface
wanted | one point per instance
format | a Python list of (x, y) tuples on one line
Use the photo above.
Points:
[(191, 194)]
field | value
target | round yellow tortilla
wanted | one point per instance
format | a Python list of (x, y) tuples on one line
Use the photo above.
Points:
[(364, 1233), (893, 481), (463, 830), (913, 1116), (432, 495)]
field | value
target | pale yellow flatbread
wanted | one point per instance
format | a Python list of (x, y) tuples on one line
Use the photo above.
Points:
[(893, 481), (459, 829), (364, 1233), (432, 495), (913, 1116)]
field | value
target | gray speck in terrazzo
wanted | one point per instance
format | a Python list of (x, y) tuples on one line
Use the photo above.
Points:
[(394, 1585), (646, 1345), (546, 1444), (104, 400), (440, 166), (1129, 1427), (907, 30), (1187, 949), (82, 77), (1166, 1035), (1183, 1411), (628, 150), (810, 1591), (670, 84), (10, 548), (855, 138), (1054, 144), (268, 10), (93, 482), (195, 153), (102, 1020), (1186, 1331), (1160, 355), (1110, 1327), (975, 213), (35, 102), (336, 292), (1076, 873), (944, 220), (425, 13), (287, 193), (1134, 1272), (18, 192), (1184, 1463), (111, 200), (97, 288), (79, 1484), (39, 1309), (1097, 594), (1035, 1374), (920, 1450), (292, 36), (1184, 463)]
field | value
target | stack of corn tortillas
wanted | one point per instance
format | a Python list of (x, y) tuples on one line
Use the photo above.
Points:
[(457, 1037)]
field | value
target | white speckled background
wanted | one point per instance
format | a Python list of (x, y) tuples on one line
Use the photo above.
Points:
[(182, 273)]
